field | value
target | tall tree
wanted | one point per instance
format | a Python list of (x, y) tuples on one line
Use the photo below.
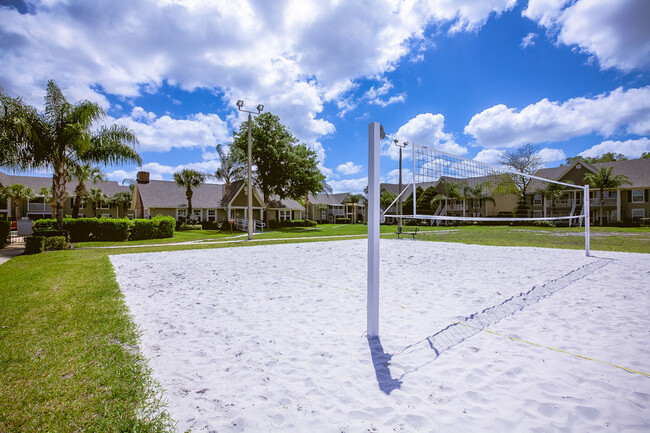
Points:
[(16, 131), (82, 173), (645, 155), (231, 168), (525, 160), (122, 200), (478, 193), (189, 179), (283, 168), (604, 179), (62, 137), (605, 157), (48, 197), (17, 193), (96, 197)]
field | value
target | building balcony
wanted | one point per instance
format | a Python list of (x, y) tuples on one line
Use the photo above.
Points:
[(39, 207), (595, 202)]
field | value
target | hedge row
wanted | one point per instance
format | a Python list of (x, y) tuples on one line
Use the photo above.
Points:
[(37, 244), (276, 224), (104, 229), (5, 230)]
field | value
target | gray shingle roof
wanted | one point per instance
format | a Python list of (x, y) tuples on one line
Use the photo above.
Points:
[(108, 187), (330, 199), (167, 194)]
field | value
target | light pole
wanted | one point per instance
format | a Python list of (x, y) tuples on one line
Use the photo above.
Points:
[(260, 108), (399, 191)]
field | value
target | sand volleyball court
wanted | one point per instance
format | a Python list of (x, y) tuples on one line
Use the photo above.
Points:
[(271, 338)]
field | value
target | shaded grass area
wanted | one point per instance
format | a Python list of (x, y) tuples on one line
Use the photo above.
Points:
[(179, 236), (68, 356)]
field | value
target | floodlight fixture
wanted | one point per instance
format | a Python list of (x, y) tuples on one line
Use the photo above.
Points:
[(240, 104), (260, 108)]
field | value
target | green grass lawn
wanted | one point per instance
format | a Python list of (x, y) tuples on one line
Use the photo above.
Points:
[(68, 357)]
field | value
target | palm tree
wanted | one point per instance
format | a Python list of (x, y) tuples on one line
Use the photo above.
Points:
[(96, 197), (82, 173), (604, 179), (62, 137), (386, 198), (17, 193), (189, 179), (230, 170), (354, 199), (122, 200), (554, 192), (477, 192), (48, 197)]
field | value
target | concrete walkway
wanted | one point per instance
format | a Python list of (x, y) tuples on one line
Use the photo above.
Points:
[(11, 251)]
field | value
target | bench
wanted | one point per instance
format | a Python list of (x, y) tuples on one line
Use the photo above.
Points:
[(413, 233)]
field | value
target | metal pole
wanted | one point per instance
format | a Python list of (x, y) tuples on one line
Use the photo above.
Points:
[(587, 216), (250, 179), (373, 230), (399, 202)]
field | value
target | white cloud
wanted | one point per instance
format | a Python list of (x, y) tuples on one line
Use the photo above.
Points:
[(348, 168), (393, 176), (614, 32), (528, 40), (490, 156), (159, 171), (551, 155), (631, 148), (375, 96), (354, 186), (285, 55), (161, 134), (425, 129), (546, 121)]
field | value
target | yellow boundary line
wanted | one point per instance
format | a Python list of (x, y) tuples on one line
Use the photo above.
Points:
[(630, 370)]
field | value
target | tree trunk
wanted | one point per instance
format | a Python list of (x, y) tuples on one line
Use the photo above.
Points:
[(17, 204), (58, 191), (602, 202), (53, 206), (188, 194)]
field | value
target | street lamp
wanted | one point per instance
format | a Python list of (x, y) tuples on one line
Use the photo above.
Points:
[(260, 108)]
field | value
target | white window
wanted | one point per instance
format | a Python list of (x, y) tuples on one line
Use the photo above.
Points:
[(637, 196), (181, 213), (638, 213), (284, 215), (106, 215), (197, 213), (537, 199), (538, 214), (212, 215), (103, 205)]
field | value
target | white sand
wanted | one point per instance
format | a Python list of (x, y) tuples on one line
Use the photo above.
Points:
[(270, 338)]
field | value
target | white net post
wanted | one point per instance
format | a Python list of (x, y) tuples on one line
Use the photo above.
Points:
[(587, 214), (373, 229)]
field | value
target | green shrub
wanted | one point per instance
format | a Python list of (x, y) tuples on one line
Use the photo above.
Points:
[(164, 226), (90, 229), (645, 222), (5, 231), (55, 243), (276, 224), (185, 226), (343, 221), (211, 225), (45, 224), (34, 244), (52, 232), (544, 223)]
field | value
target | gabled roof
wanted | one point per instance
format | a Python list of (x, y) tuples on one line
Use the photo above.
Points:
[(329, 199), (637, 170), (108, 187), (167, 194)]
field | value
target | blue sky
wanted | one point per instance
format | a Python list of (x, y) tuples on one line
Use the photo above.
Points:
[(471, 77)]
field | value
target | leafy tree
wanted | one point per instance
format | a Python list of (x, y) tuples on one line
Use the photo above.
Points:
[(96, 197), (122, 200), (645, 155), (605, 157), (554, 192), (284, 168), (62, 137), (386, 198), (526, 160), (354, 199), (425, 200), (453, 192), (17, 193), (407, 204), (16, 132), (81, 173), (189, 179), (478, 193), (231, 169), (48, 197), (604, 179)]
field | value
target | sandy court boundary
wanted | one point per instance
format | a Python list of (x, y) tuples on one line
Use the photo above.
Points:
[(270, 338)]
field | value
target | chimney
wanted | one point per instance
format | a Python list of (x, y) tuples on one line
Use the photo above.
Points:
[(142, 177)]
